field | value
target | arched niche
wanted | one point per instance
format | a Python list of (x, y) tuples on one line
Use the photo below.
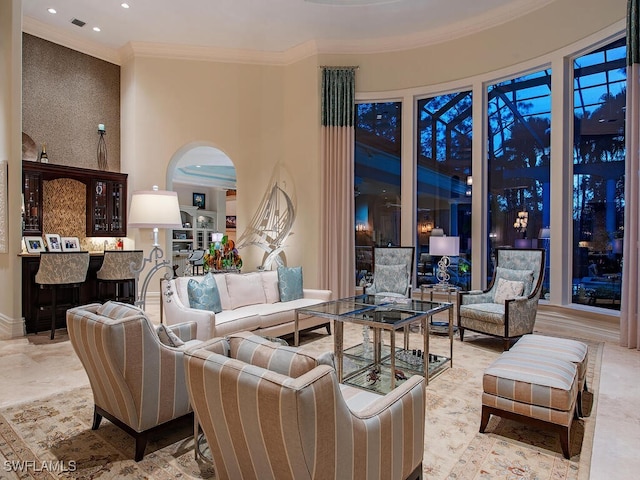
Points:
[(203, 168)]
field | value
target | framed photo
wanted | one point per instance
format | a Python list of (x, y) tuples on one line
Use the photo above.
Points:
[(53, 242), (34, 244), (231, 221), (70, 244), (198, 200)]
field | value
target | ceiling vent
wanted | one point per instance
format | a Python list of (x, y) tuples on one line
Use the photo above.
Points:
[(77, 22)]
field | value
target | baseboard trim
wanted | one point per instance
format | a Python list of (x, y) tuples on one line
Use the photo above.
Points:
[(11, 327)]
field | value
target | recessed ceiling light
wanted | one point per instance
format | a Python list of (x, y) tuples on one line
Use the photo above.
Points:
[(51, 10), (96, 29), (124, 5)]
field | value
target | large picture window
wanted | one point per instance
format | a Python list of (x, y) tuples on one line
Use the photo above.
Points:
[(599, 95), (519, 133), (377, 176), (443, 189)]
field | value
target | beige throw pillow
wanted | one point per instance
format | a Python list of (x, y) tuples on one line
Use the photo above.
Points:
[(507, 290)]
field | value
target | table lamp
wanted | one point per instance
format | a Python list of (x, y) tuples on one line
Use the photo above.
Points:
[(445, 247), (153, 209)]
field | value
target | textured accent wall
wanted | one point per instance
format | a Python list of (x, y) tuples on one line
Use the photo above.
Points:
[(64, 208), (65, 95)]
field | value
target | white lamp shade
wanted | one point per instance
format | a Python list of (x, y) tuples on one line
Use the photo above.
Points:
[(449, 246), (154, 209)]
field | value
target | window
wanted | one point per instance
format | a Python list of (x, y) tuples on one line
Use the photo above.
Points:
[(444, 133), (519, 134), (377, 180), (599, 93)]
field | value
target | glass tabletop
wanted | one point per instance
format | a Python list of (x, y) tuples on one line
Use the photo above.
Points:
[(377, 309)]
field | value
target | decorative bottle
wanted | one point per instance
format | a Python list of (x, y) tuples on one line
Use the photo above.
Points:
[(44, 158)]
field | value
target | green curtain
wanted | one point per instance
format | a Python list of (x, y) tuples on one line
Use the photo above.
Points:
[(338, 96), (337, 270)]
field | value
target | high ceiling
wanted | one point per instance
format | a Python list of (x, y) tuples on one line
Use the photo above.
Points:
[(267, 25)]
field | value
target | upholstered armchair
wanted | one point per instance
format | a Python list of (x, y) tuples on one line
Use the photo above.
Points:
[(272, 412), (508, 307), (392, 271), (138, 381)]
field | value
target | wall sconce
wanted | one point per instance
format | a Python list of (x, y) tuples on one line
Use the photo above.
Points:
[(521, 221)]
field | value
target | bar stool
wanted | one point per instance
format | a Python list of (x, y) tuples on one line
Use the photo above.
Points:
[(60, 270), (116, 269)]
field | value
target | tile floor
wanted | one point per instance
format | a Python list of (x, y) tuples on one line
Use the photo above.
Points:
[(35, 366)]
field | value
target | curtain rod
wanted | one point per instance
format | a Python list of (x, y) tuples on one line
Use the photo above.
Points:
[(355, 67)]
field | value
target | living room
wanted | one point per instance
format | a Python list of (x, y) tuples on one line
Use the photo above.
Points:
[(260, 114)]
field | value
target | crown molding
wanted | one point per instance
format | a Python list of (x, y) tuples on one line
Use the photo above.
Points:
[(56, 35), (215, 54), (295, 54)]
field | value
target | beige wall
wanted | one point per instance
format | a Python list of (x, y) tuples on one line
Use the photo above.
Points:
[(545, 30), (10, 149)]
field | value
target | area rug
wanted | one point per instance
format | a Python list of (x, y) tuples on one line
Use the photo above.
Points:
[(52, 437)]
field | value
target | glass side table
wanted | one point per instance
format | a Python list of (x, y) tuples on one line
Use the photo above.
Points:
[(440, 328)]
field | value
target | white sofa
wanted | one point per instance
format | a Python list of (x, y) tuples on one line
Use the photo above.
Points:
[(250, 302)]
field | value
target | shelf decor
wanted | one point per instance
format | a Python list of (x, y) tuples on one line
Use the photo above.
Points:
[(222, 255), (102, 148)]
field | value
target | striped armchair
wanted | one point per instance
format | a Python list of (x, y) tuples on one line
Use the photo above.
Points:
[(138, 382), (269, 411)]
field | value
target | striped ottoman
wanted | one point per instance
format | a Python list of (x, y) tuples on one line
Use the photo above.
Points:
[(540, 393), (562, 348)]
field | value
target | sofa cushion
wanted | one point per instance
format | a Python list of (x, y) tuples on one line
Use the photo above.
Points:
[(507, 290), (245, 289), (270, 285), (204, 295), (485, 312), (391, 279), (118, 310), (290, 283), (258, 351), (524, 276)]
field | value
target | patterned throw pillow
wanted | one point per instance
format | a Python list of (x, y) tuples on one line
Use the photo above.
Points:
[(118, 310), (204, 295), (524, 276), (507, 290), (391, 279), (167, 337), (290, 283)]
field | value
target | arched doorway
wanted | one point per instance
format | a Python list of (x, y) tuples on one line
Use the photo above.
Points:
[(204, 177)]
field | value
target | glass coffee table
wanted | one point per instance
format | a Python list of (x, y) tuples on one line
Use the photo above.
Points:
[(371, 364)]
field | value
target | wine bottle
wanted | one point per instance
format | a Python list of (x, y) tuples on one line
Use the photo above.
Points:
[(44, 158)]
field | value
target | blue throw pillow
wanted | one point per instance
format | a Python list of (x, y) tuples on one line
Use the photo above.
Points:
[(204, 295), (290, 283)]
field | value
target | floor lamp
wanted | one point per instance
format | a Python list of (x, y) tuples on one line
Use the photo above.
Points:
[(445, 247), (153, 209)]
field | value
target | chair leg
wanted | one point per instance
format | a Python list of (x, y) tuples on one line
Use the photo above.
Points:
[(141, 444), (97, 418), (461, 330), (486, 414), (507, 344)]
